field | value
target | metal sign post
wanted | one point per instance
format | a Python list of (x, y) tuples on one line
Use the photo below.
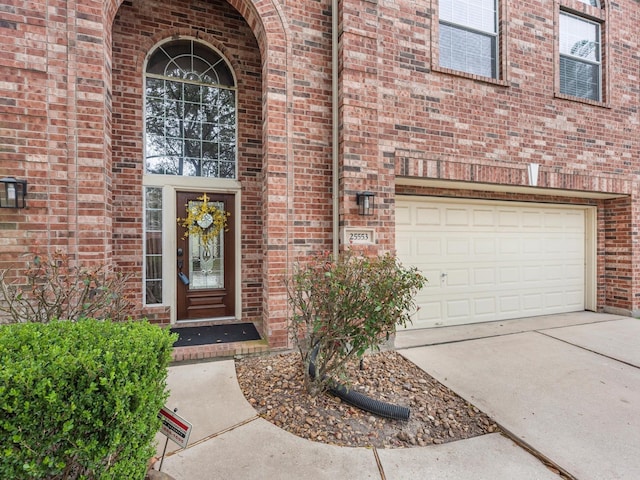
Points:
[(174, 427)]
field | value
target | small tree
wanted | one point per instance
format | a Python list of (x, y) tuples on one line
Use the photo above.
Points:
[(344, 306), (57, 289)]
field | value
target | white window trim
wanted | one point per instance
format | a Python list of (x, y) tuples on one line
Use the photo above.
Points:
[(144, 250), (581, 59), (170, 184), (144, 94), (467, 28)]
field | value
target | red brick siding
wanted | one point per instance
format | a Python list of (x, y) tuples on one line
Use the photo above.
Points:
[(435, 124), (53, 129), (618, 254)]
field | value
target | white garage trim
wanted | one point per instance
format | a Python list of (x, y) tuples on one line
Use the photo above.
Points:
[(495, 260)]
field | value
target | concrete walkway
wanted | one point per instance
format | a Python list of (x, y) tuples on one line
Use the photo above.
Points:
[(570, 393), (569, 390)]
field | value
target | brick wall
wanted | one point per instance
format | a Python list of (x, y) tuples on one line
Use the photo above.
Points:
[(54, 129), (433, 123)]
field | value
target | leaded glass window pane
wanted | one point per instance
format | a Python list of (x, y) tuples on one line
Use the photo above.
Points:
[(206, 269), (190, 108), (153, 245)]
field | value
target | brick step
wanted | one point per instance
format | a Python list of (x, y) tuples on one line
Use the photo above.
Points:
[(219, 350)]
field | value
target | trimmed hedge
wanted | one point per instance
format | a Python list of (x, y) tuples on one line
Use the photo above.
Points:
[(79, 400)]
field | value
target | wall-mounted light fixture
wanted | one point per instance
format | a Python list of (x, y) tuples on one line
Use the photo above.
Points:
[(12, 193), (365, 202)]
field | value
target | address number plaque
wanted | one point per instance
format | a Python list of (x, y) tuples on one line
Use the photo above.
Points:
[(358, 236)]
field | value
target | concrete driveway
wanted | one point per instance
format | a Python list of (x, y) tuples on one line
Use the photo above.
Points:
[(566, 386)]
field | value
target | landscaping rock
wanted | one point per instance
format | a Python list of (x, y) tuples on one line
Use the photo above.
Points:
[(274, 386), (156, 475)]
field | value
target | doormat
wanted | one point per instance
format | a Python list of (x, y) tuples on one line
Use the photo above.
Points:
[(233, 332)]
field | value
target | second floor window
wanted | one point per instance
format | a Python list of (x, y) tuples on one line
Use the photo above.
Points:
[(469, 36), (580, 57), (190, 114)]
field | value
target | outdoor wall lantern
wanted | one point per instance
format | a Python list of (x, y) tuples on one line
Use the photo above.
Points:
[(12, 193), (365, 202)]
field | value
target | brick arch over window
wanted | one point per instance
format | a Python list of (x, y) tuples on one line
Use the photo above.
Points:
[(271, 34)]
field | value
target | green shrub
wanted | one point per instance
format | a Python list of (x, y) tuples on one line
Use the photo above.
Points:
[(79, 400), (345, 306)]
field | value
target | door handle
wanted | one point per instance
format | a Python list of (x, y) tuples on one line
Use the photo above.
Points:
[(183, 278)]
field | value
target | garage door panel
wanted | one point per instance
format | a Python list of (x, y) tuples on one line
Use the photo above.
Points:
[(509, 304), (491, 260), (554, 300), (555, 272), (457, 217), (484, 246), (555, 245), (532, 220), (483, 218), (574, 272), (484, 305), (508, 218), (532, 246), (427, 216), (533, 274), (554, 221), (428, 312), (575, 298), (403, 247), (428, 246), (458, 277), (532, 302), (509, 275), (509, 245), (403, 215), (432, 276), (574, 221), (458, 308), (484, 276), (457, 246)]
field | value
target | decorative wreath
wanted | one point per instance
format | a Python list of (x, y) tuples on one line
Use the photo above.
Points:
[(205, 220)]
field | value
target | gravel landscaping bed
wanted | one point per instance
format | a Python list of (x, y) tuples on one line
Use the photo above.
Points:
[(273, 385)]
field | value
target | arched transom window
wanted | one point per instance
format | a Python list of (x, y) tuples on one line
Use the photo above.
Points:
[(190, 112)]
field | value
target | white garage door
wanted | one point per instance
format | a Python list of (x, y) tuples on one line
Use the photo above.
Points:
[(488, 261)]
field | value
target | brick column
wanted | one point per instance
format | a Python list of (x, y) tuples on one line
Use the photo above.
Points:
[(56, 129), (363, 165)]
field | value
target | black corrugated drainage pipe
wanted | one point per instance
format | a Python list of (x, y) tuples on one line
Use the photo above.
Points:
[(368, 404)]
